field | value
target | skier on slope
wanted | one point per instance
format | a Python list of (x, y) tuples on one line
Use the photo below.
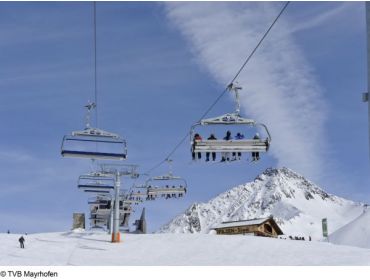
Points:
[(21, 242)]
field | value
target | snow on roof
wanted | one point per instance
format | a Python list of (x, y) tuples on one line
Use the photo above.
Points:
[(242, 223)]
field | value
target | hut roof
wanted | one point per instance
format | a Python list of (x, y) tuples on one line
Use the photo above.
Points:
[(250, 223)]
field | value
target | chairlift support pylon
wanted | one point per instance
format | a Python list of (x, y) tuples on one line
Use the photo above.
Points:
[(94, 143), (234, 146), (101, 211)]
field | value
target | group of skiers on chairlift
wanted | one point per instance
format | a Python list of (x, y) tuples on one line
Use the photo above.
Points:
[(225, 156), (177, 193)]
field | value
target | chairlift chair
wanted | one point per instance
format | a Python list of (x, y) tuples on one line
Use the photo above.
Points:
[(95, 181), (166, 180), (167, 184), (230, 146), (94, 143)]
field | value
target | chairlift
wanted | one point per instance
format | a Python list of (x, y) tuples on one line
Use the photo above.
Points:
[(167, 184), (94, 143), (235, 146), (99, 199), (95, 181)]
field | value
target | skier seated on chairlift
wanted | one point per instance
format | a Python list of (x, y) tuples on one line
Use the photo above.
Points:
[(226, 155), (196, 138), (211, 137), (256, 155), (239, 136)]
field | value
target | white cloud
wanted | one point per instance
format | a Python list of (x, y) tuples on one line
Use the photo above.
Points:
[(317, 18), (280, 88)]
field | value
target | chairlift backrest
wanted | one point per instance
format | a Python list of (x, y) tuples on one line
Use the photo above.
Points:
[(165, 180)]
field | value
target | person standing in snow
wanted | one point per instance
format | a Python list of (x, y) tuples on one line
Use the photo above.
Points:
[(21, 241), (211, 137)]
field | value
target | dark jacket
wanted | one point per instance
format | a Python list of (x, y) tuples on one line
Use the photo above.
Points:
[(212, 137)]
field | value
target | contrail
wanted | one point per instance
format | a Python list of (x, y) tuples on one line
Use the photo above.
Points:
[(279, 85)]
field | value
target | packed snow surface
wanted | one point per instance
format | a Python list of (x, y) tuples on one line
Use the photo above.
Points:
[(355, 233), (94, 248), (298, 206)]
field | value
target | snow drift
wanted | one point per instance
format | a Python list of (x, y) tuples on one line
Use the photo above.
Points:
[(355, 233)]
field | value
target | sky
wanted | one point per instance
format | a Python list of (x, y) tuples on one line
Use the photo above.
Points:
[(160, 66)]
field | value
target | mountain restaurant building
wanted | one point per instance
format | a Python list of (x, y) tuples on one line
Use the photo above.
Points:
[(259, 227)]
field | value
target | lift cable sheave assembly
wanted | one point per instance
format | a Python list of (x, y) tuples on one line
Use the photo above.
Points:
[(225, 90)]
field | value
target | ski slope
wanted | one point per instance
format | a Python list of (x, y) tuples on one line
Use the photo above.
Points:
[(355, 233), (93, 248)]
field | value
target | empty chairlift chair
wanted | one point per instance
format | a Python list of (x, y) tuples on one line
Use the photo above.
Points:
[(94, 143), (95, 182)]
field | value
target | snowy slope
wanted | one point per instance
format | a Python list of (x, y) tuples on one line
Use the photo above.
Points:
[(172, 249), (297, 204), (355, 233)]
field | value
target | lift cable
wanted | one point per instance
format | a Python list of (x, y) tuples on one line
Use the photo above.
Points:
[(95, 71), (225, 90)]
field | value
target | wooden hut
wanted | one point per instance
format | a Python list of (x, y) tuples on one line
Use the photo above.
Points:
[(258, 227)]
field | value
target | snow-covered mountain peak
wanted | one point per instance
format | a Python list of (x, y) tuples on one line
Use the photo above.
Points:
[(284, 182), (297, 205)]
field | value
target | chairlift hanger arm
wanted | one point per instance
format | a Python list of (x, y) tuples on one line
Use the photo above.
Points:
[(226, 119), (95, 132), (267, 131)]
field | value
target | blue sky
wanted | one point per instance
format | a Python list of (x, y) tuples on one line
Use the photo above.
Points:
[(159, 68)]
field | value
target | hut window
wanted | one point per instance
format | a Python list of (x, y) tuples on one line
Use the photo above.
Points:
[(268, 228)]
